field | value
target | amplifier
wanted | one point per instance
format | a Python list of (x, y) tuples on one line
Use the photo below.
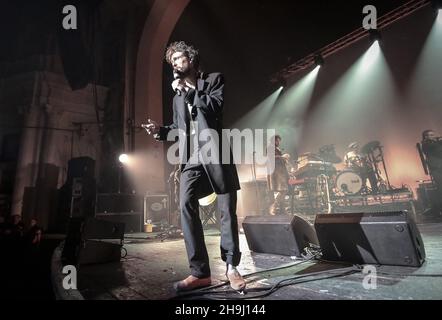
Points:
[(119, 202), (156, 208), (132, 220)]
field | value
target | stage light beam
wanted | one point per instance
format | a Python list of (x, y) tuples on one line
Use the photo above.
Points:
[(289, 111), (371, 56), (258, 116)]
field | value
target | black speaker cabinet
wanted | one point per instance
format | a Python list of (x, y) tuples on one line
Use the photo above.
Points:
[(386, 238), (284, 235), (91, 240), (121, 207), (80, 167), (119, 202), (99, 251), (133, 221)]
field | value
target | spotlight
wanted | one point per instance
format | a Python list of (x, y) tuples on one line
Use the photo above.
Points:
[(319, 60), (123, 158), (374, 35), (282, 82)]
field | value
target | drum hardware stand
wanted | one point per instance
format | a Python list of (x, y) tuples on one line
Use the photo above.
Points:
[(385, 168), (291, 190), (310, 196), (375, 159), (256, 184), (323, 180)]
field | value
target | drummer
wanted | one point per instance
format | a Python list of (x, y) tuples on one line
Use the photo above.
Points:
[(353, 158)]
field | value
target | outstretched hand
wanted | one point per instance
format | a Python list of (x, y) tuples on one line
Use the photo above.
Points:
[(151, 127)]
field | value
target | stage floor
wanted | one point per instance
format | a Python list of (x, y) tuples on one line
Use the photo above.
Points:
[(152, 266)]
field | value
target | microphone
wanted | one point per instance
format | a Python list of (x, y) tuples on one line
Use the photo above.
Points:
[(177, 75)]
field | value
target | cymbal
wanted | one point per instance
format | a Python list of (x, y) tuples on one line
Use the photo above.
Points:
[(370, 146)]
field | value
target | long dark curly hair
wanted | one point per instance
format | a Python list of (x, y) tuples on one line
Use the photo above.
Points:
[(188, 50)]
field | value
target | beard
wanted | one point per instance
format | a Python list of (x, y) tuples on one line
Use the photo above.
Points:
[(183, 73)]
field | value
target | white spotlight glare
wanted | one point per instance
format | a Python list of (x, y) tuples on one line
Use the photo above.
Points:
[(123, 158), (371, 56)]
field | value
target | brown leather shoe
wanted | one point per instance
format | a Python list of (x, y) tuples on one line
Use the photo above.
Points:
[(236, 280), (192, 283)]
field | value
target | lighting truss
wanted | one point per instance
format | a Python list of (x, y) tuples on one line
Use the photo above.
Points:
[(358, 34)]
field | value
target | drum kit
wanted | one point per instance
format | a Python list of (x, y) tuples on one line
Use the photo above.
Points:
[(318, 182)]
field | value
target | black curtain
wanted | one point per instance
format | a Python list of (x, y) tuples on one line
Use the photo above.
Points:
[(77, 46)]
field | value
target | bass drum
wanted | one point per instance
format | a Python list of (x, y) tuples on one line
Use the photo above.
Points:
[(349, 182)]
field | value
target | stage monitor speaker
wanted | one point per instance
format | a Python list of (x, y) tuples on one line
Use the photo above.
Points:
[(92, 240), (283, 235), (385, 238)]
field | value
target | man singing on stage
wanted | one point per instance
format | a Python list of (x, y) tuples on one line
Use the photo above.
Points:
[(198, 106)]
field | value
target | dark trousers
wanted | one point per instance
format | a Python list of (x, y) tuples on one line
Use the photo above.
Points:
[(194, 185)]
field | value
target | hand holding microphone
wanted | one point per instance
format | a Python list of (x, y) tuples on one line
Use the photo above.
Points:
[(178, 85)]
